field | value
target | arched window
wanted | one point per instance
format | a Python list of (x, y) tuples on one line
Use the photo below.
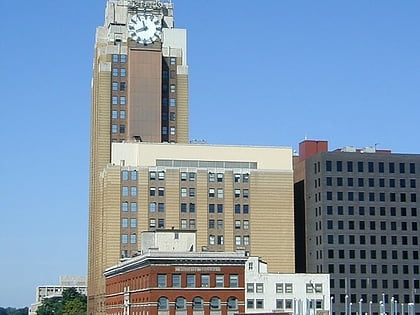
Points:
[(232, 303), (198, 304), (180, 303), (163, 303), (215, 303)]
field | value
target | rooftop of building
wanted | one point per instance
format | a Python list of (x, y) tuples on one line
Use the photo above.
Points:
[(309, 148), (184, 259), (253, 157)]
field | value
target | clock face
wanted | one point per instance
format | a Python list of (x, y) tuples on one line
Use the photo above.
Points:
[(145, 28)]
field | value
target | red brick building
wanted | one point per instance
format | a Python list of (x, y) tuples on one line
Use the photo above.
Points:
[(162, 283)]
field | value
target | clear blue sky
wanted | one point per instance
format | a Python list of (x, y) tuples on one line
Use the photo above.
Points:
[(261, 72)]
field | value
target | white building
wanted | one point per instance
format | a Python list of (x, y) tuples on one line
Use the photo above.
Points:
[(306, 294), (48, 291)]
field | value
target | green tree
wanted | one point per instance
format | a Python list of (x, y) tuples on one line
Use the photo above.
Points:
[(53, 305), (75, 307), (71, 303)]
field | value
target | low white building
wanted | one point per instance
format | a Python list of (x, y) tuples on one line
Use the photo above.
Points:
[(304, 294), (48, 291)]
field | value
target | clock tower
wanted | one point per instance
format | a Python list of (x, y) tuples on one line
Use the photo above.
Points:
[(139, 94)]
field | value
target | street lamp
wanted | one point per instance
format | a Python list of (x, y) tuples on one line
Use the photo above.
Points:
[(370, 307), (350, 307), (402, 308), (381, 308), (392, 306), (383, 301), (360, 306), (346, 304), (331, 305)]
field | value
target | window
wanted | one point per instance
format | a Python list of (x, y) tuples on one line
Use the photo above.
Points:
[(124, 223), (114, 128), (205, 281), (190, 281), (279, 304), (250, 303), (259, 287), (172, 102), (245, 209), (180, 303), (288, 288), (232, 303), (339, 166), (279, 287), (391, 167), (220, 193), (250, 288), (133, 191), (219, 177), (124, 206), (220, 281), (161, 281), (211, 208), (152, 223), (237, 193), (259, 303), (161, 223), (220, 240), (161, 191), (183, 192), (245, 193), (115, 86), (152, 191), (211, 192), (329, 181), (211, 224), (163, 303), (133, 238), (214, 303), (123, 100), (176, 280), (198, 303), (328, 166), (220, 208), (114, 114), (211, 177), (183, 224), (245, 224), (122, 86), (125, 191), (133, 223)]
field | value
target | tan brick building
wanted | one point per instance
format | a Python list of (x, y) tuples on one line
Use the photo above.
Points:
[(139, 91), (143, 175)]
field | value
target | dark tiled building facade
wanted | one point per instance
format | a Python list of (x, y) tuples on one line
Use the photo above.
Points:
[(360, 210)]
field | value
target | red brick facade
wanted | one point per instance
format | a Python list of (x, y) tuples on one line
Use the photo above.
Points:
[(177, 285)]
